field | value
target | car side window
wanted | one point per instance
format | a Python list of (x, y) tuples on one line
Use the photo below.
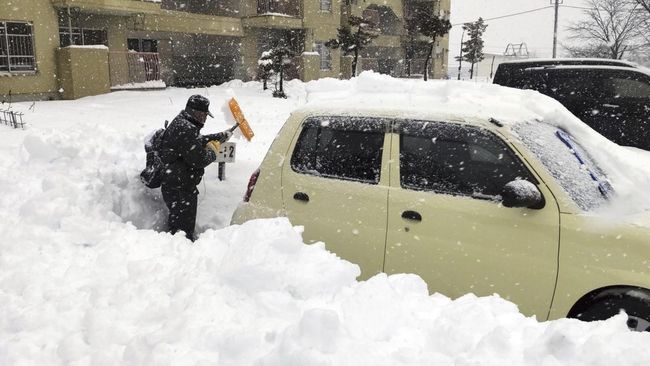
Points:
[(627, 87), (458, 160), (568, 84), (345, 148)]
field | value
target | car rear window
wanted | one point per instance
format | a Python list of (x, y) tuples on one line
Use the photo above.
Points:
[(347, 148)]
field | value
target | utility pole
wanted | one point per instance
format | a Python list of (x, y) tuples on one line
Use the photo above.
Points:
[(557, 10)]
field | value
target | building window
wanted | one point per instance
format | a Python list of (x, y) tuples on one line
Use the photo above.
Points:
[(325, 56), (72, 32), (326, 5), (82, 36), (142, 45), (16, 47)]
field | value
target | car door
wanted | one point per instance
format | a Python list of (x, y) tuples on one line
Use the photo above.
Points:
[(335, 186), (446, 224)]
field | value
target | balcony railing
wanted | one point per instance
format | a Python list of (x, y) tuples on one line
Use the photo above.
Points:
[(285, 7)]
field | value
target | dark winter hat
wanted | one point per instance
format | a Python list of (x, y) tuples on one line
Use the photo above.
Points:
[(199, 103)]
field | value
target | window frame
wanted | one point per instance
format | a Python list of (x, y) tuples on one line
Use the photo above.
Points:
[(8, 55)]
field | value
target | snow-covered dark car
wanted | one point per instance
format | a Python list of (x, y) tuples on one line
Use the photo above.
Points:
[(611, 96)]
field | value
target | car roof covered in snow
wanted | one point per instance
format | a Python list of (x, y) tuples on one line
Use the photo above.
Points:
[(383, 96)]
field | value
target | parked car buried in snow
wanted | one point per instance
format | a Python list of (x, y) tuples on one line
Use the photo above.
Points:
[(468, 203)]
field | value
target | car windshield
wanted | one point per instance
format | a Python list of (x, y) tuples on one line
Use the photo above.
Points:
[(575, 171)]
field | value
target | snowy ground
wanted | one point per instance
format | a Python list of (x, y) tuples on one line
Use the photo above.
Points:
[(87, 279)]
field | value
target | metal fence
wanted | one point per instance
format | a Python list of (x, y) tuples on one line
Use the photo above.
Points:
[(11, 118), (134, 67)]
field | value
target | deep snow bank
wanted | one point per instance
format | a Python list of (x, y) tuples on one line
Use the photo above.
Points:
[(256, 295)]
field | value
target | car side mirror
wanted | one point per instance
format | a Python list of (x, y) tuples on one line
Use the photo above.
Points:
[(522, 193)]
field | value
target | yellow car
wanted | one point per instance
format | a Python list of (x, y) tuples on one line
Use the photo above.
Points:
[(469, 205)]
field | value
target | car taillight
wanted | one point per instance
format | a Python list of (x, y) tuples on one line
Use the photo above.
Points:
[(251, 185)]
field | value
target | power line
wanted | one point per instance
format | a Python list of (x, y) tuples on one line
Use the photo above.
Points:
[(511, 15), (527, 12)]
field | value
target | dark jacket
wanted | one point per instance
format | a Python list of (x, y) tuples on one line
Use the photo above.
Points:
[(184, 154)]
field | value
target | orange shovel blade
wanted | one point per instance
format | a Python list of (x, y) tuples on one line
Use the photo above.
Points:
[(239, 117)]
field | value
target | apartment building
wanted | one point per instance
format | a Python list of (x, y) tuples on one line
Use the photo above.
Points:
[(53, 49)]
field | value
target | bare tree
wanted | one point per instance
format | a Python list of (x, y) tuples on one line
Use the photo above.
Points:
[(645, 4), (613, 25), (645, 8)]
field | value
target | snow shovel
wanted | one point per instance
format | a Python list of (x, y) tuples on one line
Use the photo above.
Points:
[(241, 121)]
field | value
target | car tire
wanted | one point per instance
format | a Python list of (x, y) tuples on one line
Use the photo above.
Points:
[(637, 309)]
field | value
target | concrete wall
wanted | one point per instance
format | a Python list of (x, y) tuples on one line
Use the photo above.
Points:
[(83, 71), (42, 83)]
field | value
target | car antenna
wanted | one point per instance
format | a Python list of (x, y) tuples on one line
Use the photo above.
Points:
[(495, 122)]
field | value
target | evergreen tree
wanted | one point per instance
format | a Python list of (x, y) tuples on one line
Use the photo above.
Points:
[(425, 22), (264, 70), (472, 49), (354, 37), (279, 59)]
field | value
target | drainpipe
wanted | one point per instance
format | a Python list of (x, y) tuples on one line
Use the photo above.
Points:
[(70, 26)]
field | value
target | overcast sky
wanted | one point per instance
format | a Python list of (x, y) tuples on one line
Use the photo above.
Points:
[(535, 29)]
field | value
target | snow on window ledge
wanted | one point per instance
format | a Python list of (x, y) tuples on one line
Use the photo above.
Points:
[(94, 46), (17, 73), (276, 15), (152, 84)]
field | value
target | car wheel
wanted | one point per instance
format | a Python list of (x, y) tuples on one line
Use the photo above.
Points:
[(637, 310)]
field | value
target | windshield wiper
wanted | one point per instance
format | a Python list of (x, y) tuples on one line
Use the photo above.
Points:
[(603, 186)]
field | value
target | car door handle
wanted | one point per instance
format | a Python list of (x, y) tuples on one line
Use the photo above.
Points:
[(412, 215), (299, 196)]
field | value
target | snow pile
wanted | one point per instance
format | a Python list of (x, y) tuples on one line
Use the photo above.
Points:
[(87, 279)]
